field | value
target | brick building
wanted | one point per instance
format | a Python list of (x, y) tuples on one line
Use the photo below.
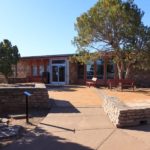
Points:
[(62, 71)]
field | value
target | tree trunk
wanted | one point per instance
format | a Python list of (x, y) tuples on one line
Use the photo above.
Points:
[(120, 67), (127, 72), (119, 71)]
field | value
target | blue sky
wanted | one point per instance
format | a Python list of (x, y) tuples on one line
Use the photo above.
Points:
[(46, 27)]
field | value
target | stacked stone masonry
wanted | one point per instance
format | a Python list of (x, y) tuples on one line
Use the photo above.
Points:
[(12, 99), (122, 115)]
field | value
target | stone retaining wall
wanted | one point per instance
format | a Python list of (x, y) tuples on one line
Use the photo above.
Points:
[(122, 115), (12, 99), (17, 80)]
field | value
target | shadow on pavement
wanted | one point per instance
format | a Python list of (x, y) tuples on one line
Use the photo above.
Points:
[(64, 88), (63, 106), (38, 139)]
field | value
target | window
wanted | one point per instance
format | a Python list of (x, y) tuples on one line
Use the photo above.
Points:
[(48, 68), (110, 70), (41, 69), (90, 70), (100, 69), (34, 70), (80, 71), (28, 70)]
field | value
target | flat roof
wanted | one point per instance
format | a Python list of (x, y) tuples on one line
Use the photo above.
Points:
[(47, 56)]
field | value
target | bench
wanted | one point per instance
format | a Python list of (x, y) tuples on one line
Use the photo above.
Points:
[(92, 83), (126, 83), (123, 83), (112, 83)]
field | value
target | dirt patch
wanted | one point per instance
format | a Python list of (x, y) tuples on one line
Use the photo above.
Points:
[(74, 95), (140, 95)]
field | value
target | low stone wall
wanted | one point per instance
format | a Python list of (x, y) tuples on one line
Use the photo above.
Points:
[(12, 98), (122, 115), (17, 80)]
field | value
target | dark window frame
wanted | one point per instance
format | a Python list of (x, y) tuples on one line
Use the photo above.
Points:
[(34, 74), (100, 69), (90, 72), (110, 70), (80, 73)]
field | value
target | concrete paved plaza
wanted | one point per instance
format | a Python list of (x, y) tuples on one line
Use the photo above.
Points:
[(77, 122)]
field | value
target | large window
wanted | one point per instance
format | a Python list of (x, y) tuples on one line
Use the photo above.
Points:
[(41, 69), (80, 71), (48, 68), (90, 70), (100, 69), (34, 70), (110, 70)]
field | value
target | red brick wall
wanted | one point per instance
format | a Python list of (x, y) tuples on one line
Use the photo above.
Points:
[(72, 73), (23, 69)]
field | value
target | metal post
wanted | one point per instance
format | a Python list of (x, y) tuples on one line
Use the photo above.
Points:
[(27, 110), (27, 94)]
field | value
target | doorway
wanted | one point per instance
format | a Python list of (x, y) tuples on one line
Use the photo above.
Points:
[(58, 74)]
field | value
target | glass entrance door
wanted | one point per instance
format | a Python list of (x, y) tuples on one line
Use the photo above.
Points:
[(55, 73), (61, 73), (58, 74)]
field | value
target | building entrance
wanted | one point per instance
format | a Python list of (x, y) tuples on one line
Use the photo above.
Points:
[(58, 72)]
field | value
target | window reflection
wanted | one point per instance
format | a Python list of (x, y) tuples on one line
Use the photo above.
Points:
[(41, 69), (90, 70), (100, 69), (110, 70), (34, 70)]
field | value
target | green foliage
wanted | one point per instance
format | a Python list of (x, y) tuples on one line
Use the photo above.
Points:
[(116, 26), (83, 57), (109, 23), (9, 56)]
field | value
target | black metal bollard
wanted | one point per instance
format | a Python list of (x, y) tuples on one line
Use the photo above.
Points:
[(27, 95)]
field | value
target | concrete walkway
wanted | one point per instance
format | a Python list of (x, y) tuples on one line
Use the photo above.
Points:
[(78, 96), (70, 125)]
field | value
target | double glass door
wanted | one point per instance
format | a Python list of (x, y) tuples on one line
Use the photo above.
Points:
[(58, 74)]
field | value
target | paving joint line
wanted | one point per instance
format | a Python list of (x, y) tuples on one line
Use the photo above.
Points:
[(106, 139)]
